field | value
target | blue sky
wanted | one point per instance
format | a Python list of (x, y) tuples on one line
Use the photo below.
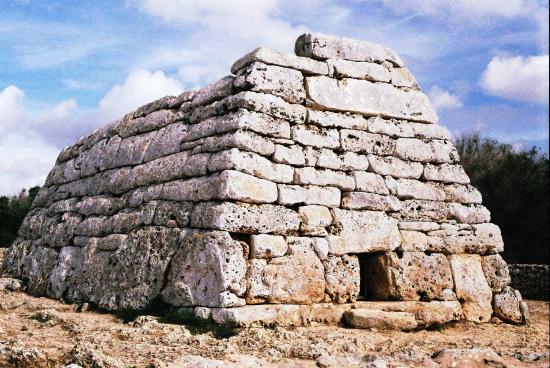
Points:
[(69, 67)]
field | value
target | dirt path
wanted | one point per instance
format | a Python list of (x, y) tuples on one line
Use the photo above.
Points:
[(41, 332)]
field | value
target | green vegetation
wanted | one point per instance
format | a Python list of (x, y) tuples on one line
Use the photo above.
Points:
[(12, 213), (515, 187)]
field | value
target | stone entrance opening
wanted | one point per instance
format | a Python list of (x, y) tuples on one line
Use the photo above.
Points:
[(364, 276)]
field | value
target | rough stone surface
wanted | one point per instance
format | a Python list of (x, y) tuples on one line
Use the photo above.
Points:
[(471, 287), (381, 320), (364, 97), (409, 276), (305, 180)]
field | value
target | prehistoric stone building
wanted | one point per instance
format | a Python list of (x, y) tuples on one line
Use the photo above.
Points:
[(290, 192)]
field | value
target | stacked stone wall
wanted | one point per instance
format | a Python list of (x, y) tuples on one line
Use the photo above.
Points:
[(264, 187), (532, 280)]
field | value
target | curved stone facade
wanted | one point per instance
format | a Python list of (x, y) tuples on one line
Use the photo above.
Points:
[(275, 185)]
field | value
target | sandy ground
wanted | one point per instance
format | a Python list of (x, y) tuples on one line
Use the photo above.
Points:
[(41, 332)]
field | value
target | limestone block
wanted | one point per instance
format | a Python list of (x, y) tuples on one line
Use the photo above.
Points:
[(462, 193), (283, 82), (152, 121), (414, 189), (250, 163), (124, 221), (413, 241), (310, 135), (469, 214), (370, 182), (496, 272), (297, 278), (35, 222), (292, 155), (446, 173), (132, 149), (486, 240), (214, 91), (267, 104), (395, 167), (370, 201), (151, 107), (309, 175), (418, 226), (93, 226), (194, 189), (246, 141), (267, 246), (364, 142), (311, 194), (62, 233), (67, 262), (342, 161), (410, 276), (426, 313), (361, 232), (208, 269), (402, 77), (183, 97), (471, 287), (430, 131), (342, 278), (320, 246), (340, 68), (392, 127), (381, 320), (422, 210), (111, 242), (320, 46), (314, 219), (89, 160), (66, 205), (268, 56), (327, 119), (239, 119), (11, 284), (166, 142), (245, 218), (37, 268), (507, 306), (175, 166), (367, 98), (14, 259), (435, 151)]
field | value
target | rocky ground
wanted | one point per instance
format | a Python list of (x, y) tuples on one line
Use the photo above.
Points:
[(41, 332)]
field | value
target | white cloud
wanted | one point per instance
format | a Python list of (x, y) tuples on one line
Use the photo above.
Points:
[(518, 78), (442, 99), (468, 8), (79, 84), (11, 108), (139, 88), (26, 157)]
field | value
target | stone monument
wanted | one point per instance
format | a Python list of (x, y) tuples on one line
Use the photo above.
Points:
[(301, 189)]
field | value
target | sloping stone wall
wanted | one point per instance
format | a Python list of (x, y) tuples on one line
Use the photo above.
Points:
[(262, 188)]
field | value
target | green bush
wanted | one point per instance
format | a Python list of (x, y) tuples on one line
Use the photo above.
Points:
[(12, 212), (515, 187)]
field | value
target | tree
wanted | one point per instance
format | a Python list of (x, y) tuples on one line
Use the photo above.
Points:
[(12, 212), (515, 187)]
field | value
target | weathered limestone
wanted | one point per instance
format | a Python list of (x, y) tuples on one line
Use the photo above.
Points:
[(275, 196), (471, 287), (364, 97), (361, 232), (410, 276)]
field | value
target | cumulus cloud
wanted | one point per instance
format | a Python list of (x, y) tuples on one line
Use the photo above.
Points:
[(442, 99), (139, 88), (30, 156), (518, 78)]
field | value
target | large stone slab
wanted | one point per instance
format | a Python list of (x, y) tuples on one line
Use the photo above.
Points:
[(368, 98), (471, 287), (342, 278), (245, 218), (381, 320), (361, 232), (208, 269), (321, 46), (297, 278), (268, 56), (409, 276)]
